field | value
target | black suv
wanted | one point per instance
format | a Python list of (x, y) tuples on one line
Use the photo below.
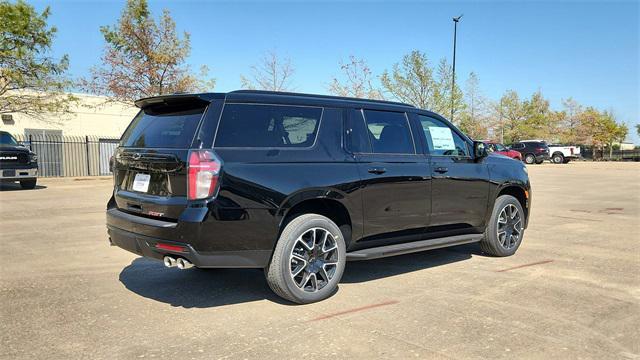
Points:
[(299, 184), (532, 151), (17, 163)]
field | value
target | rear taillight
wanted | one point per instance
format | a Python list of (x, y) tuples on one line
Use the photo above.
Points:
[(204, 168)]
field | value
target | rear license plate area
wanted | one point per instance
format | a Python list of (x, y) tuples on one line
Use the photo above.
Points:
[(141, 182), (8, 173)]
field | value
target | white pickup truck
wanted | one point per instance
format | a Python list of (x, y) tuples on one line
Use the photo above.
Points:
[(560, 154)]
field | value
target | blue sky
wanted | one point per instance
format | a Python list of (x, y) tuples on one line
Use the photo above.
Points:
[(584, 49)]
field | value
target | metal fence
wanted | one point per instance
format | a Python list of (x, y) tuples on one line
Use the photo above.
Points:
[(616, 155), (70, 155)]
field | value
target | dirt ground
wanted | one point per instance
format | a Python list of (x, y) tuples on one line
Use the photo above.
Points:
[(571, 291)]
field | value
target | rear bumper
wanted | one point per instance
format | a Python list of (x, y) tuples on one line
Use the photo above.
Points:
[(119, 224)]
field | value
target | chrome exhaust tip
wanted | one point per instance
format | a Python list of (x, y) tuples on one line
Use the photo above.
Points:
[(169, 261), (183, 264)]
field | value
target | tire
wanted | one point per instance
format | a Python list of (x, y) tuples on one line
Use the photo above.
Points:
[(28, 184), (291, 250), (558, 158), (494, 244), (529, 159)]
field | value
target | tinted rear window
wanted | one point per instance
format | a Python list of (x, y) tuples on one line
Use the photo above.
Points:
[(265, 126), (168, 127), (389, 132)]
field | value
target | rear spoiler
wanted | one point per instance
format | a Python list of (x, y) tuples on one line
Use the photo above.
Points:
[(173, 99)]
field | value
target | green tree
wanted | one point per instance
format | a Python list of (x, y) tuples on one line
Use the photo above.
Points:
[(604, 129), (411, 81), (444, 103), (638, 129), (569, 122), (356, 81), (539, 122), (508, 114), (144, 58), (31, 82)]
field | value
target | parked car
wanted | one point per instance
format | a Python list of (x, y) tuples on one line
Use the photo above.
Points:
[(299, 184), (532, 151), (17, 163), (561, 154), (502, 150)]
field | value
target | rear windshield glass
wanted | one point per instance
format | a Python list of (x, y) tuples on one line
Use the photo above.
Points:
[(169, 127), (265, 126)]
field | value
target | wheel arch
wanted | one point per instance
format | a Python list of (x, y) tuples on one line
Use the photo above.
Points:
[(329, 203), (518, 192)]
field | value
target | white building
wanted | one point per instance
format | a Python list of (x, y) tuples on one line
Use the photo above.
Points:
[(91, 116)]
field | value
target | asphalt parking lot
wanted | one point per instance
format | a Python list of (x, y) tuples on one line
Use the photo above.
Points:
[(571, 291)]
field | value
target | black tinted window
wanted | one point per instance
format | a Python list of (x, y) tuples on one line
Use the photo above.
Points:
[(389, 132), (7, 139), (357, 138), (168, 127), (441, 139), (254, 125)]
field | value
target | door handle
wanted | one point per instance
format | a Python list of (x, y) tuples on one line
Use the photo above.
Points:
[(441, 169), (377, 171)]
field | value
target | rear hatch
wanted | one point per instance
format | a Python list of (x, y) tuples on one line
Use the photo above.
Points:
[(150, 165)]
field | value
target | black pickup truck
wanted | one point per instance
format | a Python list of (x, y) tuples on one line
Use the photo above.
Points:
[(17, 163)]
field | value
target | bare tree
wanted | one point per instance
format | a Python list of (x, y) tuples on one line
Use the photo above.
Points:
[(473, 120), (272, 73), (356, 81)]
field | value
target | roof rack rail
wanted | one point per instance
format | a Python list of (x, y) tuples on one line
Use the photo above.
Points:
[(266, 92)]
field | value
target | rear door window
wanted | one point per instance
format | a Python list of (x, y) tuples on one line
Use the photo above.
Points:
[(357, 137), (389, 132), (165, 127), (268, 126)]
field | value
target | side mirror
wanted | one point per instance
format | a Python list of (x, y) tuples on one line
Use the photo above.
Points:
[(480, 150)]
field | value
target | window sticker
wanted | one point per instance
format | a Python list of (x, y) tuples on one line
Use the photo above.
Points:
[(441, 138)]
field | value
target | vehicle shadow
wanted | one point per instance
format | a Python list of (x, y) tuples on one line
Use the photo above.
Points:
[(16, 187), (204, 288), (361, 271)]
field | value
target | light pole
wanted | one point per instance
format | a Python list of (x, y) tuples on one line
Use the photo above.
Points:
[(453, 83)]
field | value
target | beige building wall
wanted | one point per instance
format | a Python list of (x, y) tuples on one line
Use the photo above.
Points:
[(92, 115)]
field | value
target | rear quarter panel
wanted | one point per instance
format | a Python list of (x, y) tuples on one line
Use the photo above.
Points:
[(258, 186)]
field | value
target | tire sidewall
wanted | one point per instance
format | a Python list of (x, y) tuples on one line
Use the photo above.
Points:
[(28, 184), (529, 159), (558, 159), (492, 236), (317, 221)]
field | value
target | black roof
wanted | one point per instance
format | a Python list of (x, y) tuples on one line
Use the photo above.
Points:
[(316, 96), (268, 96)]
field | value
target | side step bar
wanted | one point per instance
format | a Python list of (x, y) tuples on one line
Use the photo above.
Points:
[(415, 246)]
